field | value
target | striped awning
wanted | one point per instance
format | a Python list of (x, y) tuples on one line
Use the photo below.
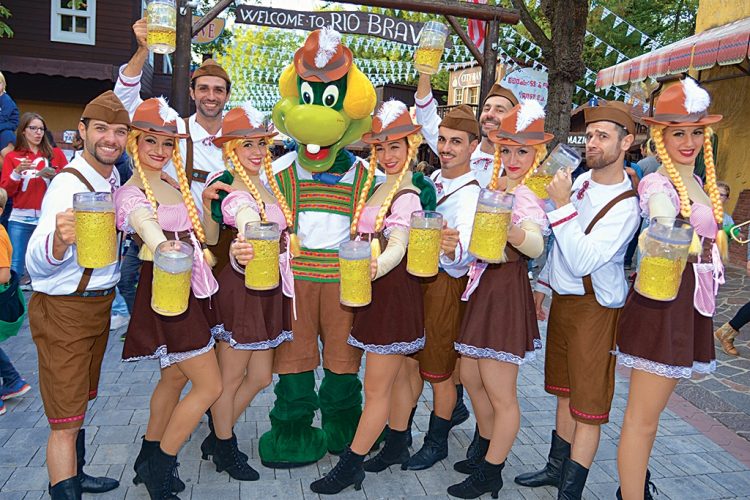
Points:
[(724, 45)]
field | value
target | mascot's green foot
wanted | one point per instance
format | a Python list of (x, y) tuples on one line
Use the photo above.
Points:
[(292, 440), (340, 408)]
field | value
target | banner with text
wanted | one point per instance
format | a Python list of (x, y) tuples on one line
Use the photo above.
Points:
[(527, 83), (358, 23)]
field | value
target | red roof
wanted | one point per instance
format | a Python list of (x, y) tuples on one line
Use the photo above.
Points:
[(724, 45)]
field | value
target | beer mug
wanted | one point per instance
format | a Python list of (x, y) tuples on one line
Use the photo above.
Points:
[(173, 268), (96, 234), (423, 253), (262, 272), (663, 258), (562, 157), (430, 49), (354, 265), (161, 21), (491, 223)]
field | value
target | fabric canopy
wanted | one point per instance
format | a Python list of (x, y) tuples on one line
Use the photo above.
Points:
[(724, 45)]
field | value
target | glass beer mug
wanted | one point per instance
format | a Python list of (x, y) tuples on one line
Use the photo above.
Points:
[(423, 252), (173, 268), (96, 234), (430, 49), (161, 20), (491, 223), (262, 272), (663, 258), (562, 157), (354, 266)]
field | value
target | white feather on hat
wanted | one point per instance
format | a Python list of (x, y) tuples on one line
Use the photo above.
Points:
[(696, 97), (255, 117), (390, 110), (328, 41), (529, 112), (166, 113)]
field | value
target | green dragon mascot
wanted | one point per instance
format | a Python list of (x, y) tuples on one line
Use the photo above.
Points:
[(326, 104)]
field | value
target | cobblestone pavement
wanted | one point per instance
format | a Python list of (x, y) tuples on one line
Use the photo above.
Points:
[(697, 454)]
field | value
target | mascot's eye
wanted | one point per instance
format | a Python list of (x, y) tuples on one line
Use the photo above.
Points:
[(330, 96), (307, 93)]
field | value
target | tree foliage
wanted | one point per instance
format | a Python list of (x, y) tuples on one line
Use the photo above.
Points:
[(5, 30)]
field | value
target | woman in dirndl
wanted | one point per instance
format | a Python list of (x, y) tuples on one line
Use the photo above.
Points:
[(251, 324), (391, 327), (500, 294), (665, 341), (155, 212)]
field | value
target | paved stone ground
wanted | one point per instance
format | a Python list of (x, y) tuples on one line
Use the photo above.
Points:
[(690, 458)]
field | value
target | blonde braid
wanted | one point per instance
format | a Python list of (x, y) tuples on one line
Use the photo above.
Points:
[(413, 141), (495, 169), (231, 153), (713, 192), (373, 162), (674, 175), (187, 198), (268, 169), (132, 148), (541, 153)]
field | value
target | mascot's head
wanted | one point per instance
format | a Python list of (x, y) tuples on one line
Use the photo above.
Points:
[(326, 102)]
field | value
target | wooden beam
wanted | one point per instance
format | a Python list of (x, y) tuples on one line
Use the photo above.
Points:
[(210, 15), (448, 7), (490, 59), (181, 68), (465, 38)]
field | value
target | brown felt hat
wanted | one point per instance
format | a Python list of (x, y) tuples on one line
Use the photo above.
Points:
[(682, 103), (611, 111), (522, 126), (498, 90), (209, 67), (108, 108), (323, 58), (461, 118), (244, 122), (156, 117), (392, 122)]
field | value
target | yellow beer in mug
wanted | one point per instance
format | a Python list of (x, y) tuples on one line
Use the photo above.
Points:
[(96, 234), (173, 269), (563, 157), (354, 266), (430, 49), (664, 253), (262, 272), (161, 21), (491, 223), (423, 252)]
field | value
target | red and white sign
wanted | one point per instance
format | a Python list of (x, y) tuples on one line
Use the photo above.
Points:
[(527, 83), (476, 29)]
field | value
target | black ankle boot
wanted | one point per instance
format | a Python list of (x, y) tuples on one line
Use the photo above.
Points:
[(572, 480), (69, 489), (474, 441), (460, 411), (484, 478), (208, 446), (475, 460), (648, 487), (395, 451), (408, 427), (147, 448), (90, 484), (346, 473), (435, 447), (156, 472), (550, 474), (227, 458)]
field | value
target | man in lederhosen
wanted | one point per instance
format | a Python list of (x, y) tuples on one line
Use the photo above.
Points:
[(584, 272), (70, 309), (457, 194)]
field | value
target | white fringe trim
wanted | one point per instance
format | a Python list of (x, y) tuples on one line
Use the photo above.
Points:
[(167, 359), (662, 369), (394, 348), (487, 353), (222, 335)]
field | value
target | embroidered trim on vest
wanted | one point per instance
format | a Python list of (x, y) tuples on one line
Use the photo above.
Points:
[(317, 265)]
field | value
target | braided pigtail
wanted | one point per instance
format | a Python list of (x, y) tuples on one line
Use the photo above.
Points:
[(674, 175), (495, 169), (713, 192), (372, 165), (295, 247), (231, 153), (413, 141), (541, 154), (132, 148), (187, 198)]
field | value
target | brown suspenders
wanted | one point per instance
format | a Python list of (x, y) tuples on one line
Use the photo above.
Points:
[(87, 271), (193, 174)]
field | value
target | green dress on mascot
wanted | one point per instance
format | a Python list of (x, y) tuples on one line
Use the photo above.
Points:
[(326, 104)]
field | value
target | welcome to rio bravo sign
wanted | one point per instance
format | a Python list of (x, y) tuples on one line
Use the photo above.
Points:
[(359, 23)]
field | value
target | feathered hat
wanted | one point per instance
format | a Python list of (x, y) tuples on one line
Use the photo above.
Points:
[(244, 122), (322, 58), (522, 126), (683, 103), (392, 122), (156, 117)]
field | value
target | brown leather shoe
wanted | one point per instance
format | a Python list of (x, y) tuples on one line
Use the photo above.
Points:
[(725, 335)]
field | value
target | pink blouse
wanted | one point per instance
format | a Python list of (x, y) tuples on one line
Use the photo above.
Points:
[(237, 199), (400, 215)]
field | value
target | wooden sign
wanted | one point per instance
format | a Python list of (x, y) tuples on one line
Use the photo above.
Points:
[(210, 32), (358, 23)]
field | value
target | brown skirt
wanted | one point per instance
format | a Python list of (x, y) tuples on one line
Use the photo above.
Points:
[(170, 339), (670, 339), (500, 320), (393, 323), (249, 319)]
